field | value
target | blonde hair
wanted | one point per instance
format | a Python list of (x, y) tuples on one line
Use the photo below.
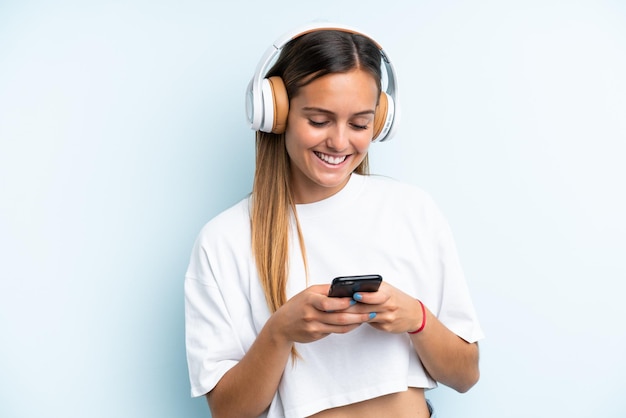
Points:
[(272, 207)]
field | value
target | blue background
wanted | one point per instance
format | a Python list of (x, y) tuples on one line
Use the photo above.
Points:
[(122, 132)]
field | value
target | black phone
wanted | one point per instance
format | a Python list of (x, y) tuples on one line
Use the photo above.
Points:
[(346, 286)]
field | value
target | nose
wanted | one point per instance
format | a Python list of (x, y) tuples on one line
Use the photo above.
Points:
[(338, 138)]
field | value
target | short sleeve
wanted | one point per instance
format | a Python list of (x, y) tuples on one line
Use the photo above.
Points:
[(456, 309), (213, 346)]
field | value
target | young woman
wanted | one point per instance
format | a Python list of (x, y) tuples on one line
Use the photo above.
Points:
[(263, 336)]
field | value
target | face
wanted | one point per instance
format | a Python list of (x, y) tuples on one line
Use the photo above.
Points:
[(329, 129)]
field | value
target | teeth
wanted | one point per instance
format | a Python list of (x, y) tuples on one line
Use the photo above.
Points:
[(330, 159)]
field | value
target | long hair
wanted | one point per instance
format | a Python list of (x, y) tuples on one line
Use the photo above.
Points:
[(301, 61)]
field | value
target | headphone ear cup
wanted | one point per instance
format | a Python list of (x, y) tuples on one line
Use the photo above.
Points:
[(280, 104), (383, 118), (380, 116), (267, 109)]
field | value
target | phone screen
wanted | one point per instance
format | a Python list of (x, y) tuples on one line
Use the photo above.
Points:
[(346, 286)]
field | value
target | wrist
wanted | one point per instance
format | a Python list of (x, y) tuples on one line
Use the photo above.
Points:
[(275, 331), (423, 324)]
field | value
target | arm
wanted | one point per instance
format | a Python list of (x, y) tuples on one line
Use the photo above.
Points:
[(304, 318), (261, 368), (448, 358)]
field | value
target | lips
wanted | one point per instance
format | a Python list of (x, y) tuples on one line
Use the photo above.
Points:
[(331, 159)]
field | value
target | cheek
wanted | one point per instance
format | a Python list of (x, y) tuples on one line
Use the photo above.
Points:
[(363, 144), (302, 135), (296, 143)]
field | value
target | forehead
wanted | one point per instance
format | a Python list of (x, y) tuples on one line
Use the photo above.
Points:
[(340, 90)]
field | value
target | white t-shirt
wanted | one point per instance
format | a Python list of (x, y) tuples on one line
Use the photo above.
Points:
[(374, 225)]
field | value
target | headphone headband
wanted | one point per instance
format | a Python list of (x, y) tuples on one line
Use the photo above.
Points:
[(259, 117)]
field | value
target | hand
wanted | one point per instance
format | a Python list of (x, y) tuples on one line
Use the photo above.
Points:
[(396, 312), (311, 315)]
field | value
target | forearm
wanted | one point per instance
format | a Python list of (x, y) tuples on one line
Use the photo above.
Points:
[(249, 387), (448, 358)]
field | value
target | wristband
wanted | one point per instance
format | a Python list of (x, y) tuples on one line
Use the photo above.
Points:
[(423, 319)]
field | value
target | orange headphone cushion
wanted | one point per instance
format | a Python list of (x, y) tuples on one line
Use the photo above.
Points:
[(281, 104), (380, 117)]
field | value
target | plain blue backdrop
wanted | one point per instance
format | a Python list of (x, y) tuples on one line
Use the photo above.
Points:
[(122, 132)]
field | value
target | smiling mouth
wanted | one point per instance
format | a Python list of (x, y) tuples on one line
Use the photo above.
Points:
[(330, 159)]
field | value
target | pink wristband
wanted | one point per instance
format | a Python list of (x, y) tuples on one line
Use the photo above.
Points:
[(423, 319)]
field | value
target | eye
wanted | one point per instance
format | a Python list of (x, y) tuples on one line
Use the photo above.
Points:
[(317, 124), (361, 123)]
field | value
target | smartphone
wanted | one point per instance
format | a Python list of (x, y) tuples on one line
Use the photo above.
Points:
[(346, 286)]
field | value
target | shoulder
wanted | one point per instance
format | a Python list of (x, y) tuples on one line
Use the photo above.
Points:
[(396, 190), (403, 200), (222, 248), (222, 243), (233, 222)]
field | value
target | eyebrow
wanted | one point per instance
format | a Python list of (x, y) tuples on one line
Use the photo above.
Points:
[(320, 110)]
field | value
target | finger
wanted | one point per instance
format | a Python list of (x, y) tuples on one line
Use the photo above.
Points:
[(347, 318), (342, 329), (371, 298), (322, 289), (366, 309), (327, 304)]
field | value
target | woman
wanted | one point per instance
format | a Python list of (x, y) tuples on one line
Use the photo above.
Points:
[(263, 337)]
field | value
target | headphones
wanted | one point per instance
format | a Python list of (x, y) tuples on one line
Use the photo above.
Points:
[(267, 103)]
